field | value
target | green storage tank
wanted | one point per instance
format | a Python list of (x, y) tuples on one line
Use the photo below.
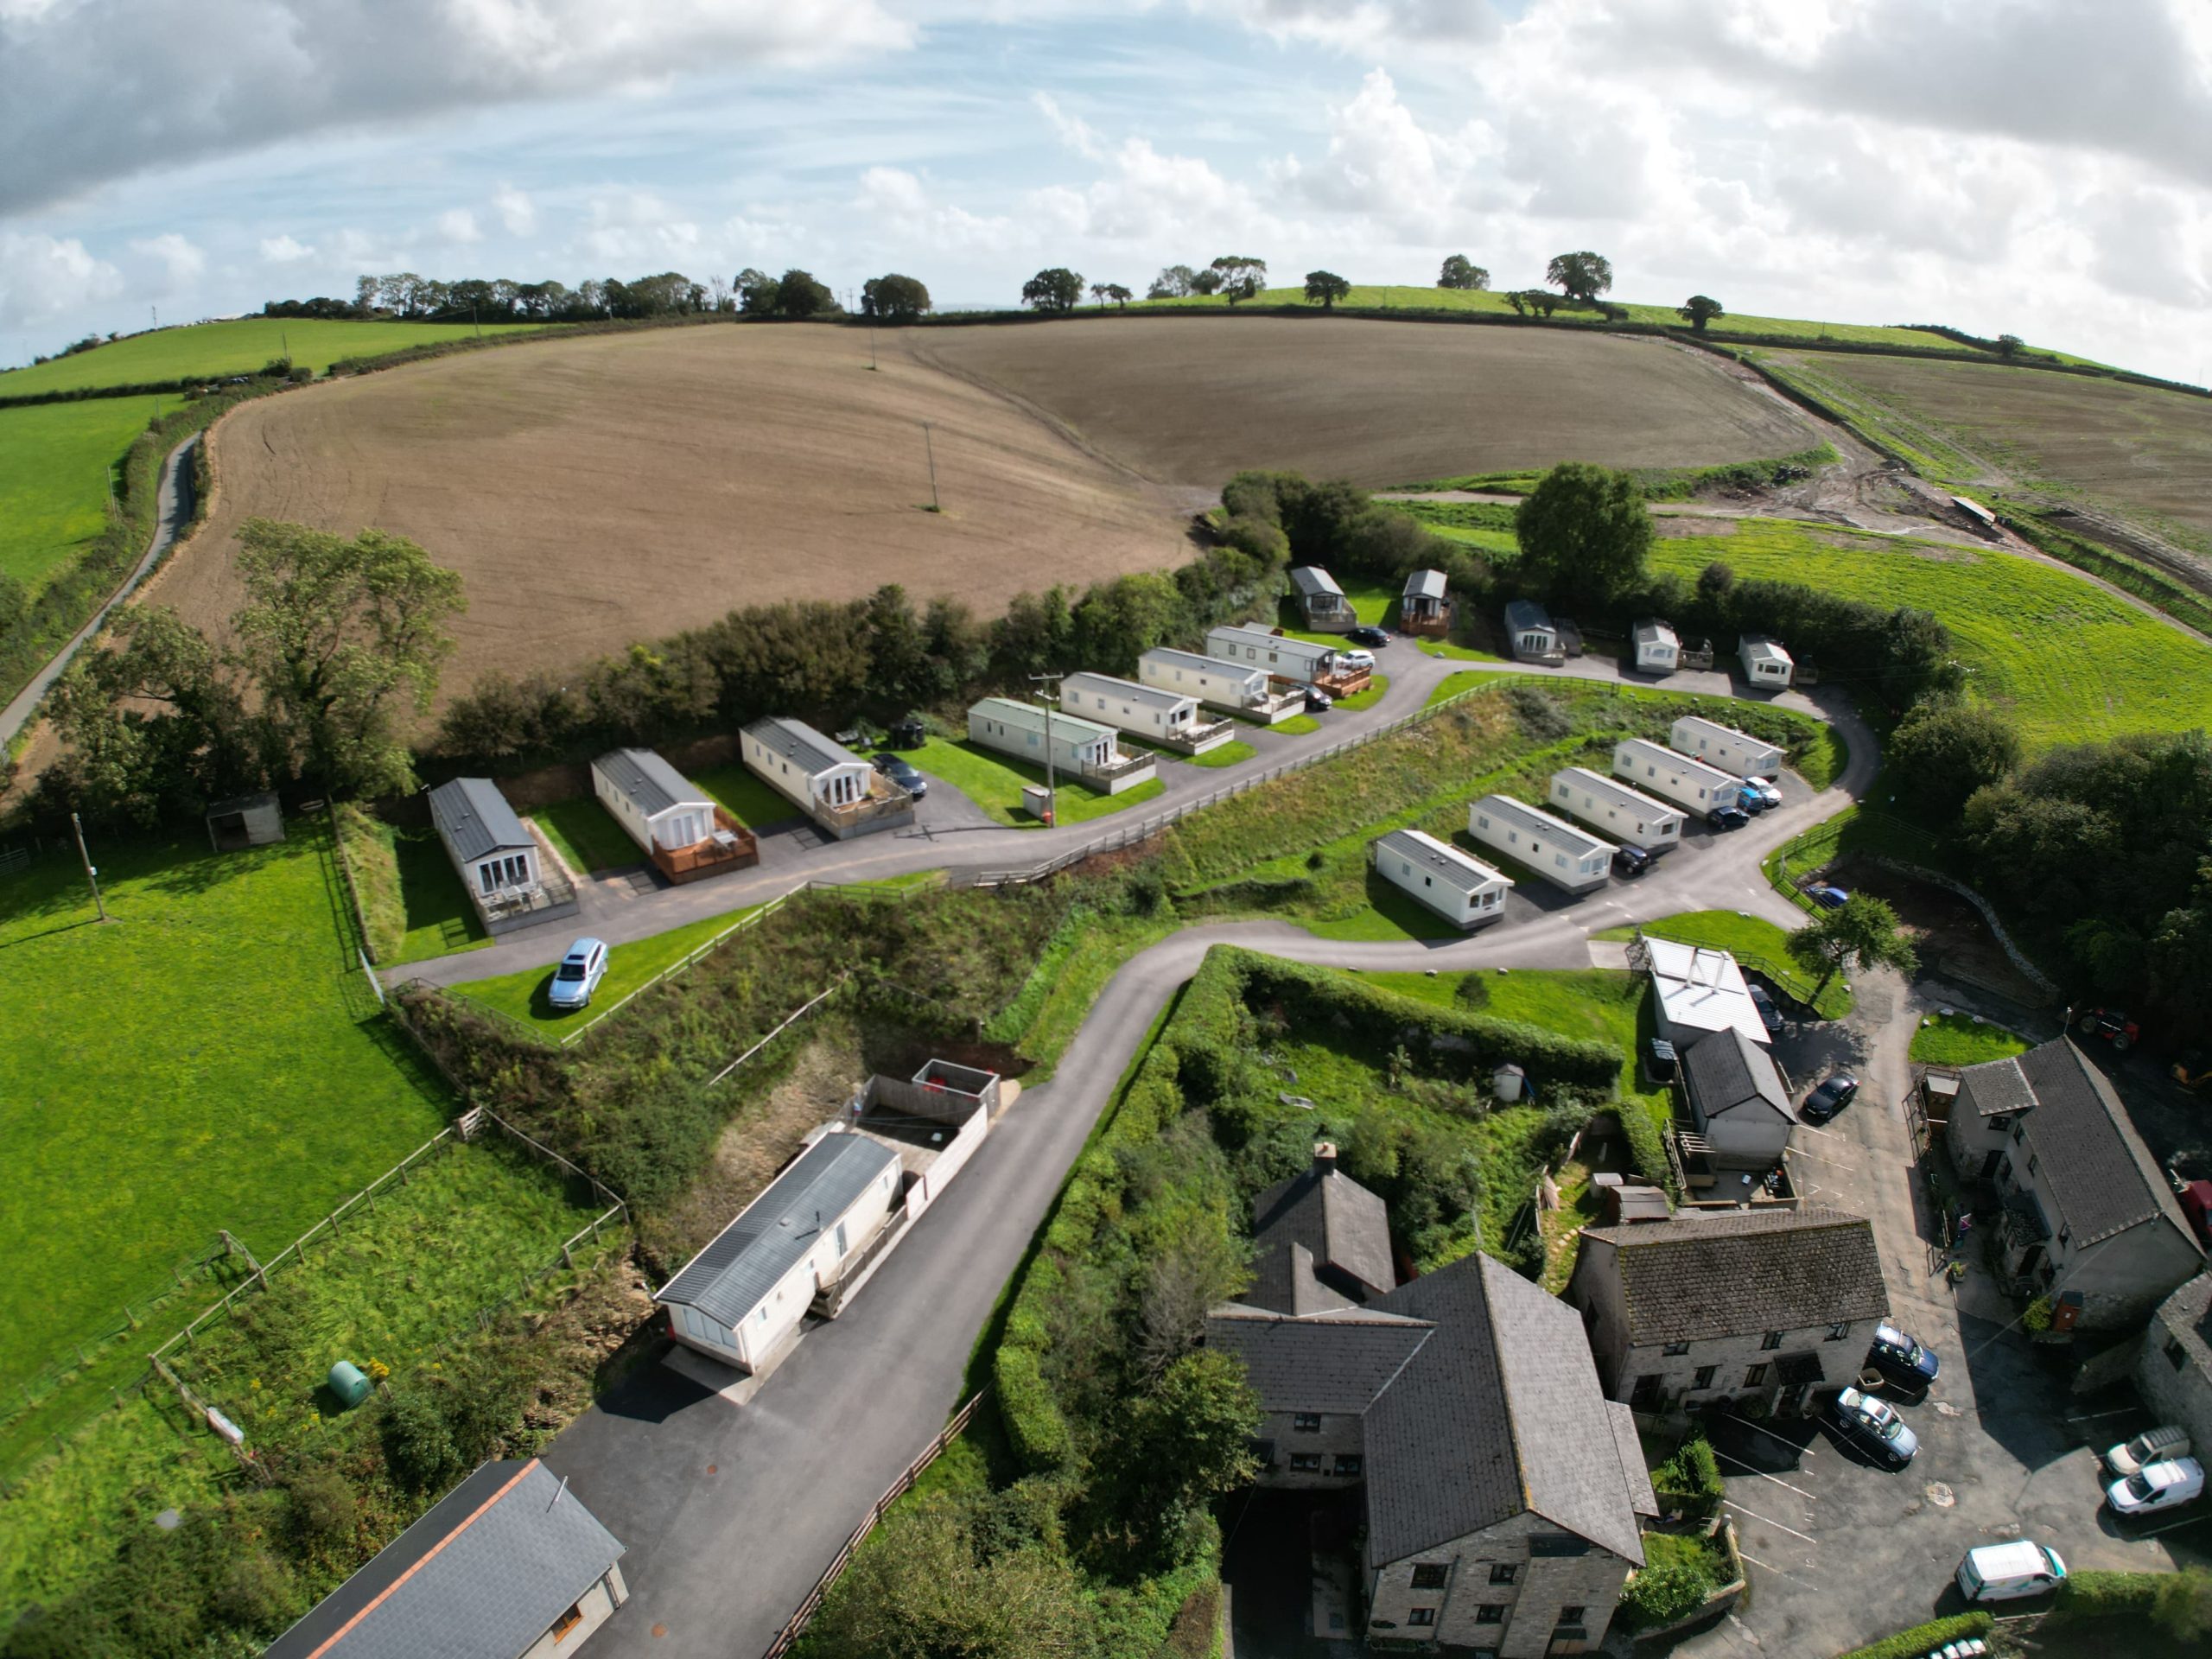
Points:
[(347, 1382)]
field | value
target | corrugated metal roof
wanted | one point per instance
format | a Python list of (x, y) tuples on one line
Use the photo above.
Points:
[(484, 1575), (1311, 579), (1029, 717), (799, 742), (475, 819), (1531, 821), (1424, 584), (728, 1279), (1448, 863), (652, 784), (1096, 685)]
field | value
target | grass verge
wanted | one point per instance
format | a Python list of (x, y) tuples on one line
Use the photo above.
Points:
[(585, 836), (994, 783), (1963, 1039), (523, 995)]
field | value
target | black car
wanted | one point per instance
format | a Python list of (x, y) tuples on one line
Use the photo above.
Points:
[(1828, 1098), (1728, 817), (1631, 860), (1769, 1016), (901, 771), (1372, 637), (1900, 1362), (1319, 702)]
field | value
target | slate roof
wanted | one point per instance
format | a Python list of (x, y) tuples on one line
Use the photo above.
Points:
[(2187, 1317), (1498, 1413), (1698, 1277), (1995, 1088), (1521, 614), (1641, 1498), (1727, 1071), (728, 1279), (803, 746), (482, 1576), (1441, 860), (475, 819), (1330, 1361), (1554, 831), (1424, 584), (1344, 1231), (2102, 1174), (652, 784), (1311, 579)]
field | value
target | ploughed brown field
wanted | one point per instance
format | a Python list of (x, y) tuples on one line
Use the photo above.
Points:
[(597, 492)]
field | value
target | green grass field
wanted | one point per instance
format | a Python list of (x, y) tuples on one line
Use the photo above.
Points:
[(2071, 662), (240, 347), (211, 1058), (1228, 754), (994, 783), (55, 467), (745, 796), (587, 837), (412, 896), (1755, 943), (1377, 686), (522, 996), (1961, 1040)]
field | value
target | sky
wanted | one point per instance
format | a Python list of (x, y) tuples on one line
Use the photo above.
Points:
[(2041, 168)]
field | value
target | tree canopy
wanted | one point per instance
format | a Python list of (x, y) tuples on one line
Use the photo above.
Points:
[(1114, 292), (1459, 271), (1942, 751), (893, 298), (1324, 288), (1861, 932), (1700, 310), (1173, 283), (799, 296), (1582, 276), (1241, 277), (1585, 533), (1056, 290)]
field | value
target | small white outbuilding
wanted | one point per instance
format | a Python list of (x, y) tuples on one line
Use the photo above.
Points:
[(1456, 886)]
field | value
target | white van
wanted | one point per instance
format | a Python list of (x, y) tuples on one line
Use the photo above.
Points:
[(2006, 1572), (2152, 1446)]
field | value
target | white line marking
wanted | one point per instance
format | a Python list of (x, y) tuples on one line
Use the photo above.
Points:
[(1763, 1475), (1803, 1451), (1776, 1571), (1768, 1520), (2091, 1417)]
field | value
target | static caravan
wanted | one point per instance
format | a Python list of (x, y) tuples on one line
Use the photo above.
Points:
[(1320, 601), (1726, 748), (1658, 648), (749, 1289), (1168, 718), (1458, 886), (1765, 663), (498, 859), (827, 781), (1218, 685), (1531, 633), (1080, 748), (677, 824), (1620, 811), (1563, 854), (1689, 784), (1425, 603), (1285, 657)]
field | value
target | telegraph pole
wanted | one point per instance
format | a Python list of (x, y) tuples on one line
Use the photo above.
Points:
[(1047, 697), (92, 875), (930, 449)]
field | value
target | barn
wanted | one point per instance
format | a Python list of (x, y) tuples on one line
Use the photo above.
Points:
[(1628, 818), (1688, 783), (1563, 854), (1456, 886)]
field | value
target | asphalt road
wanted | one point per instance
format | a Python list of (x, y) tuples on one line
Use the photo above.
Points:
[(172, 513)]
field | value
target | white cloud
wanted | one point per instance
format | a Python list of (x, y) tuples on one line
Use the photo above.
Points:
[(44, 277), (458, 226), (900, 204), (639, 227), (516, 210), (284, 249), (1363, 27), (181, 261)]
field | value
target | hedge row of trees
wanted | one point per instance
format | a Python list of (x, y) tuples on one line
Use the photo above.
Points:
[(797, 295)]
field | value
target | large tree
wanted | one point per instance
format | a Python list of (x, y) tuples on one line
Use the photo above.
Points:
[(1242, 276), (1700, 310), (1115, 292), (1585, 533), (1861, 932), (1173, 283), (1942, 751), (893, 298), (339, 636), (1057, 290), (1459, 271), (756, 292), (798, 296), (1324, 288), (1582, 276)]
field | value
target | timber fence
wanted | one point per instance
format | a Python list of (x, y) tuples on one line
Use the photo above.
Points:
[(795, 1627)]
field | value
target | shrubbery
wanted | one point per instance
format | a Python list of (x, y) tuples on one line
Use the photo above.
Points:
[(1690, 1480), (1926, 1638), (1660, 1595)]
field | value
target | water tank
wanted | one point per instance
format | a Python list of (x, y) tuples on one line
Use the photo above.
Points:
[(347, 1382)]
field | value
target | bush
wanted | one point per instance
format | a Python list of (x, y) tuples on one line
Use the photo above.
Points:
[(1034, 1424), (418, 1442), (1926, 1638), (1690, 1480), (1660, 1595), (2111, 1595)]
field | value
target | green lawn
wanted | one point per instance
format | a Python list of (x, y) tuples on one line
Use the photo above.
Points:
[(1458, 653), (994, 782), (1377, 684), (55, 467), (522, 996), (587, 837), (411, 896), (1297, 726), (240, 347), (2070, 662), (1962, 1039), (745, 796), (1755, 943), (1227, 755), (211, 1058)]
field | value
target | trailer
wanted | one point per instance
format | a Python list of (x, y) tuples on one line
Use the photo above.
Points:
[(1561, 853), (1688, 783), (1456, 886), (1630, 818), (1726, 748)]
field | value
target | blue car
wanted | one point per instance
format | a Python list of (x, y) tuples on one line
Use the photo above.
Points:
[(1901, 1361), (1828, 898), (579, 974)]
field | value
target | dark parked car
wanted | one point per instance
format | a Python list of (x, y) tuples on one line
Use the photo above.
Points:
[(1631, 860), (1371, 638), (1828, 898), (1751, 800), (1769, 1016), (1319, 702), (1901, 1361), (901, 771), (1872, 1427), (1827, 1098), (1728, 817)]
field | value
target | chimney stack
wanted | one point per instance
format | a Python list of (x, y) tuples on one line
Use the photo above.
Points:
[(1325, 1157)]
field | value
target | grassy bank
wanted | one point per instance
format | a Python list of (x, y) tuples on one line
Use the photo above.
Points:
[(523, 995), (57, 467), (241, 345), (994, 783)]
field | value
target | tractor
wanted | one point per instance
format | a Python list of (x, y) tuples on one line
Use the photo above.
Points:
[(2110, 1023)]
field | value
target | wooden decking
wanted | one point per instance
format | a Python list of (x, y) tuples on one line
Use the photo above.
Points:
[(731, 848)]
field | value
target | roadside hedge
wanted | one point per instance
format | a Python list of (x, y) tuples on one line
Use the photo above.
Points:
[(2111, 1595), (1926, 1638)]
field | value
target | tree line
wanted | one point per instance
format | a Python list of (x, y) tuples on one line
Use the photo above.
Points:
[(797, 295)]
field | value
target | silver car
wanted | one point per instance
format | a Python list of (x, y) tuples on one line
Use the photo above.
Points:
[(579, 974)]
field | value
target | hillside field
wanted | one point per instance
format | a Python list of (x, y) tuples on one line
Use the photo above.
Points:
[(55, 463), (239, 346)]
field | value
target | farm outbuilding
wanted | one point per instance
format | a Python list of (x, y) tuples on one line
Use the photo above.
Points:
[(841, 793), (1424, 603), (1286, 658), (1688, 783), (1627, 817), (1738, 1101), (246, 820), (678, 826), (1696, 991), (499, 861), (748, 1291), (1765, 663), (1320, 601), (1456, 886), (1219, 684), (1080, 748), (1155, 714), (1532, 635), (1658, 647), (1726, 749), (1561, 853)]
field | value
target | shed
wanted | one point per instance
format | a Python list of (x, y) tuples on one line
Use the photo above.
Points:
[(508, 1564), (1658, 648), (246, 820), (1320, 601), (1739, 1100), (1531, 633), (1686, 781), (741, 1297), (1157, 714), (1509, 1082), (657, 806), (1080, 748), (1562, 853), (1765, 663), (483, 838), (1456, 886), (1630, 818), (1726, 749)]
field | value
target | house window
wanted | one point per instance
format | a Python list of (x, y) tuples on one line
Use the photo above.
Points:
[(1306, 1422), (1430, 1575), (1676, 1349), (2177, 1355), (1645, 1394), (1755, 1376), (1704, 1378), (1838, 1331), (1769, 1342), (1348, 1463), (567, 1621), (2001, 1123), (1571, 1615), (1306, 1463), (1490, 1613), (1504, 1572), (1423, 1616), (2066, 1234)]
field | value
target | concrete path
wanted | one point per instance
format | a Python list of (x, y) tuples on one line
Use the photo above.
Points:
[(172, 513)]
